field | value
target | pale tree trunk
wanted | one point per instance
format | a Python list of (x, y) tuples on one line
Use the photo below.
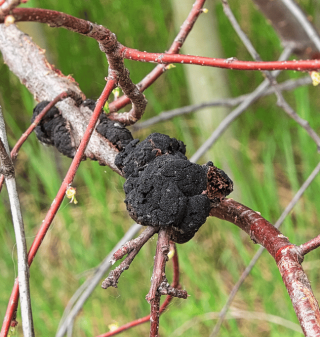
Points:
[(204, 83)]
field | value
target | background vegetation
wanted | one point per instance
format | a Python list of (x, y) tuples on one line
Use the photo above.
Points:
[(269, 158)]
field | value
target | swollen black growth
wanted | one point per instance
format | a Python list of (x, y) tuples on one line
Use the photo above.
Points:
[(54, 130), (163, 188), (115, 132)]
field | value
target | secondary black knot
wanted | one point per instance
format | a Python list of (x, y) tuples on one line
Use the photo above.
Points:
[(54, 130), (114, 131), (163, 188)]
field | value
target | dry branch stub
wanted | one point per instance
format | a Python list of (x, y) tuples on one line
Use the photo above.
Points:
[(163, 188)]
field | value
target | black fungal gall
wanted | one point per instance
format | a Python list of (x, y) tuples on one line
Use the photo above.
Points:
[(115, 132), (54, 130), (163, 188)]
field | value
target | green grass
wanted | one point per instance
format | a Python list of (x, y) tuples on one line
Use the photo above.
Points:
[(271, 156)]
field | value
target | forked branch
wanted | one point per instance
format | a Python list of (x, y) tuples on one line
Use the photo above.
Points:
[(287, 256)]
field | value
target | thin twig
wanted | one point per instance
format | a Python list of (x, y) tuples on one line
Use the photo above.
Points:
[(131, 248), (236, 113), (310, 245), (281, 102), (153, 296), (59, 198), (256, 257), (166, 115), (104, 37), (23, 268), (25, 135), (175, 284), (160, 69), (286, 255), (84, 291), (292, 25)]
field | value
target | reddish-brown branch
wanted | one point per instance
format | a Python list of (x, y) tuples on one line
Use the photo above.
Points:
[(288, 258), (58, 19), (131, 248), (175, 284), (174, 49), (310, 245), (232, 63), (108, 44), (58, 200), (160, 261), (108, 40)]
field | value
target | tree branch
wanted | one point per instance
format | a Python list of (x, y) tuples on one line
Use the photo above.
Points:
[(287, 256), (167, 115), (23, 268), (131, 248), (153, 296), (310, 245), (45, 83), (256, 257), (107, 38), (175, 284), (59, 198), (281, 101)]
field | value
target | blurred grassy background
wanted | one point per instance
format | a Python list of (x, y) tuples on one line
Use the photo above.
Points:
[(269, 158)]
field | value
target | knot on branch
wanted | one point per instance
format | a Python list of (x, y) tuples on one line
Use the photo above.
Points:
[(114, 131), (54, 130), (163, 188)]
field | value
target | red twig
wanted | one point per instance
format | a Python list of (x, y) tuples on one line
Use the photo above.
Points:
[(174, 49), (131, 248), (287, 256), (58, 200), (108, 44), (23, 138), (175, 284), (310, 245), (231, 63), (105, 36)]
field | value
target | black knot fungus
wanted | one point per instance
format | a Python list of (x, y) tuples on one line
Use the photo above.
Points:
[(114, 131), (54, 130), (163, 188)]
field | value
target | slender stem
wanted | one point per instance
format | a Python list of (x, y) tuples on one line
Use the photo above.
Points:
[(58, 19), (256, 257), (23, 268), (175, 284), (310, 245), (230, 102), (287, 256), (25, 135), (174, 49), (59, 198), (153, 296), (255, 55), (131, 249), (82, 294)]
